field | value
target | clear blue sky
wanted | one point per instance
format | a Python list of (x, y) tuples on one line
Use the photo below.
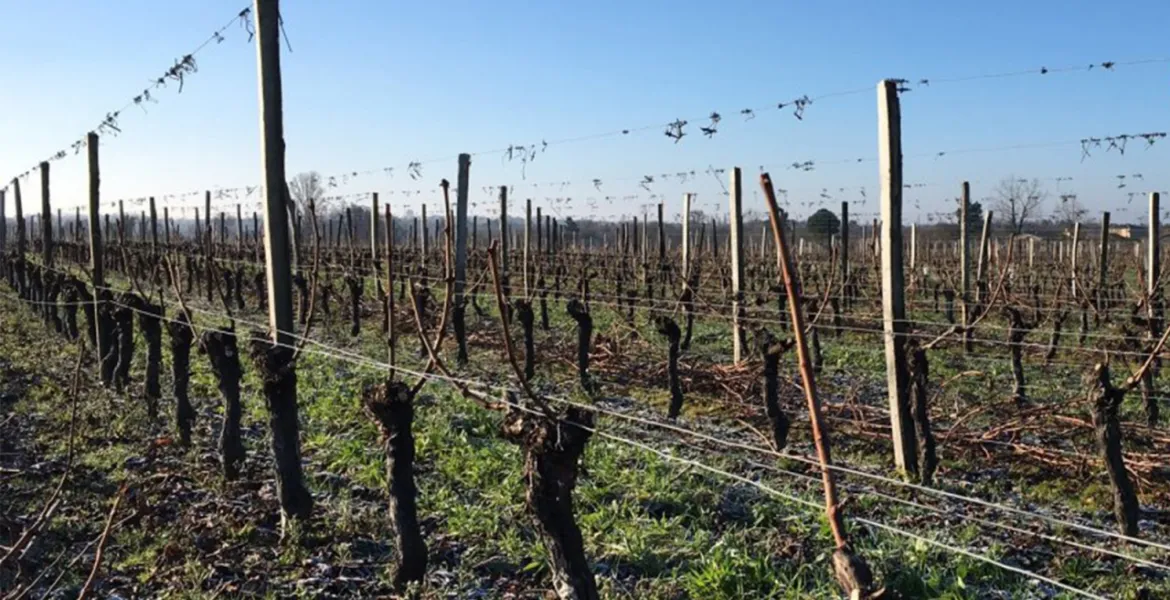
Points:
[(374, 84)]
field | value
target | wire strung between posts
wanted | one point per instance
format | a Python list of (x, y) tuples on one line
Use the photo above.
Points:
[(178, 72)]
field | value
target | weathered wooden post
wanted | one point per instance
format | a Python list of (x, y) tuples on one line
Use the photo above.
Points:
[(844, 250), (965, 263), (3, 224), (276, 361), (21, 242), (686, 237), (1103, 262), (1076, 238), (913, 247), (504, 250), (425, 238), (893, 301), (984, 250), (661, 237), (461, 201), (239, 229), (153, 225), (96, 262), (527, 245), (46, 217), (1154, 248), (735, 195)]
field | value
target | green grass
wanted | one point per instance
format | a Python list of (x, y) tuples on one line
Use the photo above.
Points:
[(654, 528)]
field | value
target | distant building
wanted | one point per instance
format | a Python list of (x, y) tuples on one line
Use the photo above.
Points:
[(1128, 232)]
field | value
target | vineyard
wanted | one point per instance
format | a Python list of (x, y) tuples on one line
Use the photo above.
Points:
[(331, 397)]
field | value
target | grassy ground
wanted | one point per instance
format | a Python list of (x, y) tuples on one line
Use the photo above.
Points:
[(656, 524)]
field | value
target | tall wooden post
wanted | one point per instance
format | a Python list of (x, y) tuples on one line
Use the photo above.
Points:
[(425, 238), (374, 219), (166, 226), (1103, 263), (463, 180), (527, 245), (893, 301), (504, 230), (539, 233), (1154, 249), (686, 237), (46, 217), (913, 247), (21, 241), (153, 226), (207, 234), (1076, 239), (984, 250), (96, 262), (844, 250), (965, 262), (239, 229), (735, 194), (280, 383), (3, 224)]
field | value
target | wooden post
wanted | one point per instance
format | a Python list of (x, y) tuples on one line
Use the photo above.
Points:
[(1153, 249), (661, 237), (280, 380), (3, 224), (1073, 255), (96, 263), (539, 233), (239, 229), (913, 247), (527, 244), (735, 194), (965, 261), (374, 219), (166, 226), (153, 226), (1103, 263), (1031, 252), (207, 233), (46, 217), (276, 220), (461, 200), (425, 238), (844, 245), (21, 242), (686, 237), (984, 249), (504, 231), (893, 301)]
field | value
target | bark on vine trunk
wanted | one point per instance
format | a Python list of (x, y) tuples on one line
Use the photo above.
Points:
[(149, 321), (1106, 401), (552, 453), (391, 406), (670, 330), (278, 372), (770, 351), (181, 338), (223, 354), (920, 395), (584, 320)]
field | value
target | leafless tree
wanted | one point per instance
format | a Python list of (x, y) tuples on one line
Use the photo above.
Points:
[(1018, 199), (305, 187), (303, 191), (1068, 210)]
